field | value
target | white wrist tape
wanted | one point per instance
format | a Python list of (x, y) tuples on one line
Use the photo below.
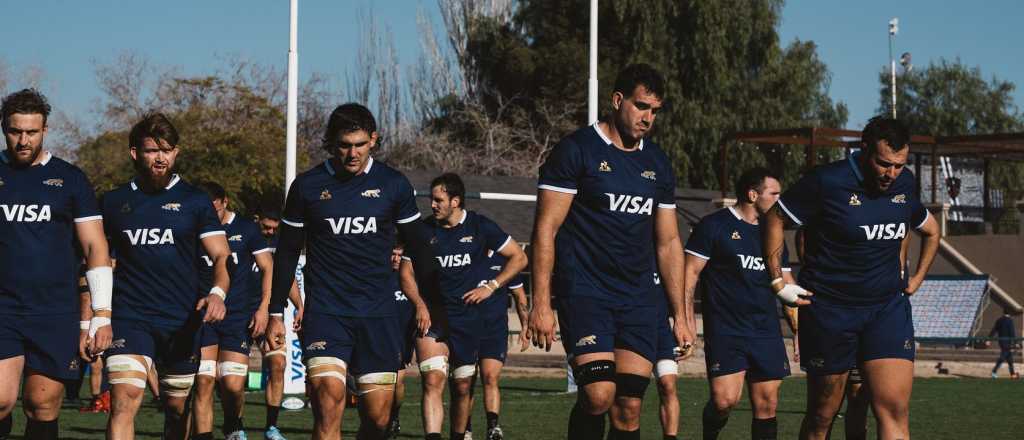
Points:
[(790, 293), (101, 286), (96, 323), (216, 290), (84, 325)]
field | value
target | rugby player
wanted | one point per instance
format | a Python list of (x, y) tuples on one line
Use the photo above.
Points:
[(45, 204), (345, 211), (156, 224), (226, 344), (407, 322), (742, 336), (855, 213), (606, 192), (269, 219), (461, 242), (666, 371)]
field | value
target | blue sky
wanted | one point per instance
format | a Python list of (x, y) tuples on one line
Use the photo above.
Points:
[(63, 38)]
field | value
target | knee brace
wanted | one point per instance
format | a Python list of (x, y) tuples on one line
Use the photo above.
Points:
[(207, 367), (326, 366), (596, 371), (177, 385), (464, 372), (128, 369), (228, 368), (436, 363), (631, 385), (666, 367), (382, 381)]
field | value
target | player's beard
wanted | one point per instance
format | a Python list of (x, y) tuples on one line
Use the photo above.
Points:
[(159, 178), (22, 160)]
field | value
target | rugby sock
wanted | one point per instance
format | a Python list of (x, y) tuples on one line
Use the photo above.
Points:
[(5, 426), (492, 420), (458, 436), (616, 434), (713, 423), (37, 430), (232, 423), (669, 437), (584, 426), (203, 436), (272, 416), (433, 436), (763, 429)]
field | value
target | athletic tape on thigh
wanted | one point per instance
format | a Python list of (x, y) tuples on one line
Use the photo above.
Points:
[(229, 368), (326, 366), (207, 367), (666, 367), (464, 371), (283, 351), (385, 381), (436, 363), (127, 369), (631, 385), (177, 385), (596, 371)]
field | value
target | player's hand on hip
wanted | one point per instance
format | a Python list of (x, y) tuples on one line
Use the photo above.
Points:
[(477, 295), (101, 335), (258, 324), (214, 306), (274, 336), (912, 285), (792, 294), (542, 327), (422, 320), (297, 320)]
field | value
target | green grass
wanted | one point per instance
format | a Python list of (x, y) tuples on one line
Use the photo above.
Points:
[(537, 409)]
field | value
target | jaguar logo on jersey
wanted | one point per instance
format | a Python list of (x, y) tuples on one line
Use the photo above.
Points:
[(454, 260), (630, 204), (26, 213), (495, 268), (118, 343), (325, 195), (316, 346), (649, 175), (353, 225), (147, 236), (886, 231), (176, 207), (59, 183), (466, 239), (751, 262), (371, 193), (236, 237), (603, 167), (736, 235), (899, 198), (854, 201), (587, 340)]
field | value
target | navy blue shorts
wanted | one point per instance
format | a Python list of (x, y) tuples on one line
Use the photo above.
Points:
[(494, 341), (48, 342), (407, 323), (667, 343), (835, 338), (462, 332), (590, 325), (233, 335), (761, 358), (173, 350), (367, 345)]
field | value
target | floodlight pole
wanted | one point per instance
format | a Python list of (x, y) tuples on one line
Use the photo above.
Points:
[(592, 82), (893, 29), (293, 94)]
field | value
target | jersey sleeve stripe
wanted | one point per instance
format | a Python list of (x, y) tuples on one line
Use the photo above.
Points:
[(667, 206), (698, 255), (211, 234), (257, 252), (88, 219), (558, 189), (926, 215), (515, 286), (408, 219), (787, 269), (790, 214), (507, 241), (292, 224), (406, 258)]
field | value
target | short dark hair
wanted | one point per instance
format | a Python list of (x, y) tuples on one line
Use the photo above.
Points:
[(270, 208), (640, 74), (347, 118), (453, 185), (213, 189), (752, 179), (881, 128), (26, 102), (155, 126)]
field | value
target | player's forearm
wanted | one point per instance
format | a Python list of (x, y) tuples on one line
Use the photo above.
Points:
[(294, 295), (84, 302), (286, 259), (791, 318), (929, 247), (407, 282), (670, 266), (512, 268), (220, 272), (543, 266), (522, 310), (266, 266), (691, 274), (773, 237)]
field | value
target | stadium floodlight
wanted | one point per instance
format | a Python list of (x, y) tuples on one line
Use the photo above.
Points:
[(894, 28), (293, 94), (592, 81)]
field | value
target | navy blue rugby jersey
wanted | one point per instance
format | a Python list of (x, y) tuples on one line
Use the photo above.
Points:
[(350, 232), (462, 252), (735, 285), (499, 302), (246, 290), (156, 238), (852, 244), (605, 247), (39, 206)]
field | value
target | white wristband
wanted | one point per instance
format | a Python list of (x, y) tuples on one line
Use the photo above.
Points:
[(101, 286), (216, 290), (96, 323), (277, 315), (84, 325)]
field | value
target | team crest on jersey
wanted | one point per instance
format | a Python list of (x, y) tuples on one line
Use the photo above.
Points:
[(899, 198), (466, 239), (126, 208), (716, 366), (587, 340), (371, 193), (176, 207), (318, 345), (325, 195), (649, 175), (236, 237), (854, 201), (117, 343), (495, 268), (604, 167), (59, 183), (73, 366), (736, 235)]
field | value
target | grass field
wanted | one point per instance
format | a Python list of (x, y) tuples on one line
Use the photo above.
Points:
[(537, 409)]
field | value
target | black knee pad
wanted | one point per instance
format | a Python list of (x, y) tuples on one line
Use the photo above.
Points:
[(631, 385), (596, 371)]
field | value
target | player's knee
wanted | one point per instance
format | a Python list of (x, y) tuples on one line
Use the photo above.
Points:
[(723, 403), (230, 368), (490, 377), (434, 372), (131, 370), (40, 408), (326, 367), (177, 386)]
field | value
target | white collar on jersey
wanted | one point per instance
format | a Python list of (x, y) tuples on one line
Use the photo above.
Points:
[(464, 215), (231, 218), (46, 158), (174, 181), (736, 214), (330, 168), (609, 141)]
